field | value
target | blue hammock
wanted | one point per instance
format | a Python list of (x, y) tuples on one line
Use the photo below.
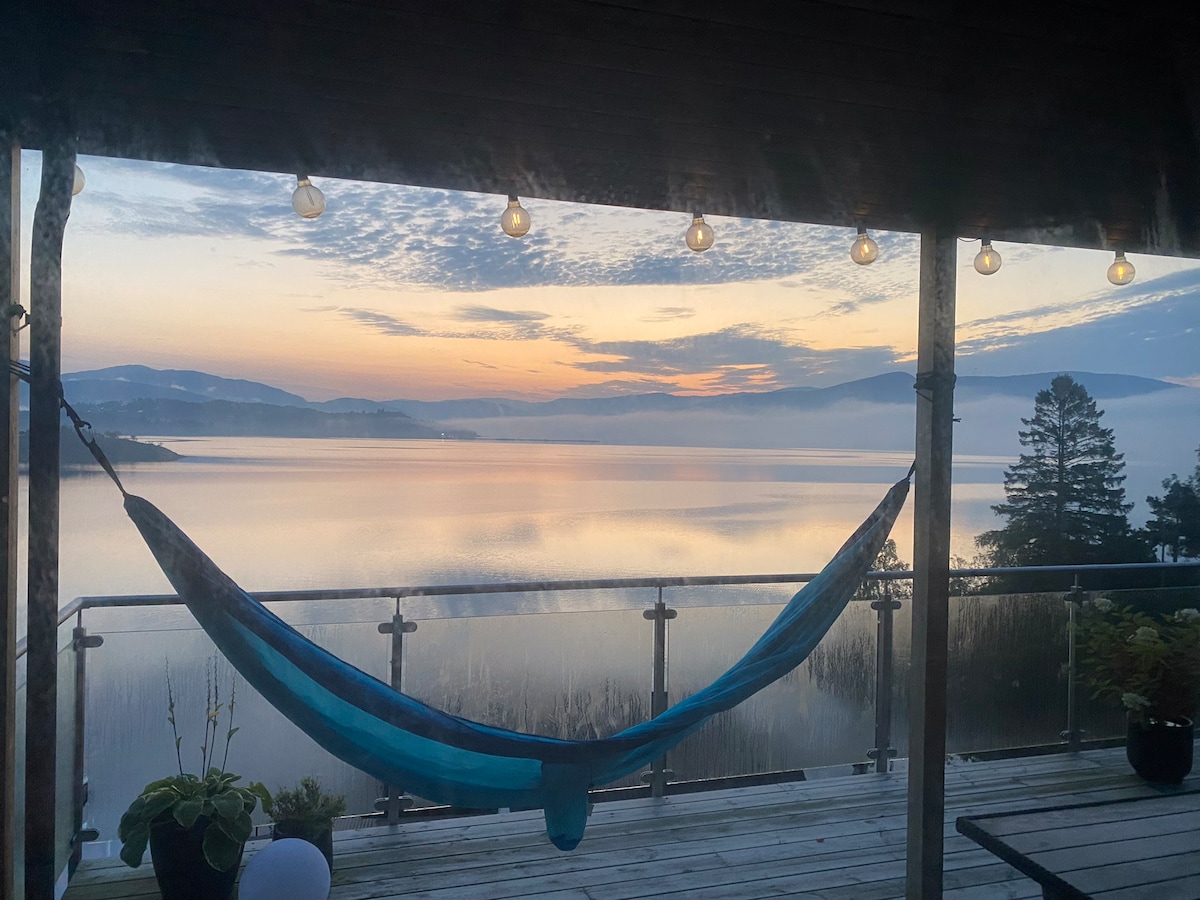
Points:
[(452, 760)]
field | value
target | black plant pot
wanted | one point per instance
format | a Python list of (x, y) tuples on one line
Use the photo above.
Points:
[(1161, 749), (318, 836), (180, 867)]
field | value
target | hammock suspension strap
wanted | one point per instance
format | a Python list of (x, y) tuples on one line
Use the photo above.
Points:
[(83, 428)]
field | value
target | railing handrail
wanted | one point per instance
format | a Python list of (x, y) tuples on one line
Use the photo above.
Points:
[(120, 601)]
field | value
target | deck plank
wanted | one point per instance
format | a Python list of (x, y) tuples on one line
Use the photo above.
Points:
[(832, 838)]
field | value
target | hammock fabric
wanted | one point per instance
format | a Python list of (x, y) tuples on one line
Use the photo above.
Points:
[(452, 760)]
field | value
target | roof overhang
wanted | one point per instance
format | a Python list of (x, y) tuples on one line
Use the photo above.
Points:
[(1072, 123)]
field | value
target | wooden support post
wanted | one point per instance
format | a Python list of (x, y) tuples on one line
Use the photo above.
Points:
[(41, 717), (931, 565), (10, 350)]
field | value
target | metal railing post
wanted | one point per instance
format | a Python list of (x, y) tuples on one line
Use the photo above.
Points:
[(394, 800), (883, 751), (1072, 734), (81, 642), (659, 774)]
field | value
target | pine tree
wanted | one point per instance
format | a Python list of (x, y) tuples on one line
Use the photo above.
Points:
[(888, 560), (1175, 528), (1065, 503)]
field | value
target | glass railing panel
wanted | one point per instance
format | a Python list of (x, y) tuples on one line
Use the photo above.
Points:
[(1006, 683), (1099, 718), (700, 595), (820, 714), (64, 809), (130, 742), (578, 675), (66, 794), (19, 782)]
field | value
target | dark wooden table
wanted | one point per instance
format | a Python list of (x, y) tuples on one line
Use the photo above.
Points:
[(1148, 847)]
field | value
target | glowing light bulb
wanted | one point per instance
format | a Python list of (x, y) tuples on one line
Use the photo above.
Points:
[(864, 251), (80, 181), (987, 260), (515, 220), (1121, 271), (700, 235), (307, 199)]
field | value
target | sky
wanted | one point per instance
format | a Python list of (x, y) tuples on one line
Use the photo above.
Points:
[(403, 292)]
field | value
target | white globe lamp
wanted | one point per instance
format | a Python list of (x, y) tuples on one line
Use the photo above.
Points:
[(288, 869)]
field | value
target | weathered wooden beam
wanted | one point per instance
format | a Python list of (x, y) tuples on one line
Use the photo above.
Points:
[(45, 344), (10, 294), (931, 565)]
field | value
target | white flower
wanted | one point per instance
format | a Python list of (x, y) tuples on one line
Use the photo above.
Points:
[(1134, 701), (1144, 635), (1188, 615), (1102, 604)]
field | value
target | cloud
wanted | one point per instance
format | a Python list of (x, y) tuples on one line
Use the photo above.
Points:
[(1099, 305), (381, 322), (1154, 338), (735, 357), (740, 357), (490, 314), (670, 314), (854, 305), (153, 200), (390, 236)]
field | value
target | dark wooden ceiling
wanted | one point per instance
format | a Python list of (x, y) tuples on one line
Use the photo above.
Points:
[(1072, 123)]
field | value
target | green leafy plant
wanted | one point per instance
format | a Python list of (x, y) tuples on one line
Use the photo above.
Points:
[(184, 798), (1148, 664), (307, 805)]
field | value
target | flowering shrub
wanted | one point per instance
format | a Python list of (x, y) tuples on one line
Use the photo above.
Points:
[(1149, 664)]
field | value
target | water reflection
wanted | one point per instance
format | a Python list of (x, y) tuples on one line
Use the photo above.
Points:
[(282, 514)]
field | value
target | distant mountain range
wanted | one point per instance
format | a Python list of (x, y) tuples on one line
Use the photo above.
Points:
[(123, 384)]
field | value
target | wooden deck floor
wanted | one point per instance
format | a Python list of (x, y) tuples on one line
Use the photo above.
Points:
[(829, 838)]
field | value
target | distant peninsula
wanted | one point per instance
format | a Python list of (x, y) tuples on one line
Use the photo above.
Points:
[(118, 449)]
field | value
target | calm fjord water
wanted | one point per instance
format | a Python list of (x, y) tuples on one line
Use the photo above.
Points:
[(283, 514)]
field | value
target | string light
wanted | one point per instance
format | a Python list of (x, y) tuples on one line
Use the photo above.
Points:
[(987, 260), (80, 181), (700, 235), (864, 251), (307, 199), (515, 220), (1121, 271)]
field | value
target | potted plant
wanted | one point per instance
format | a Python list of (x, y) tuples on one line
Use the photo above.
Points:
[(1151, 666), (307, 812), (196, 825)]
